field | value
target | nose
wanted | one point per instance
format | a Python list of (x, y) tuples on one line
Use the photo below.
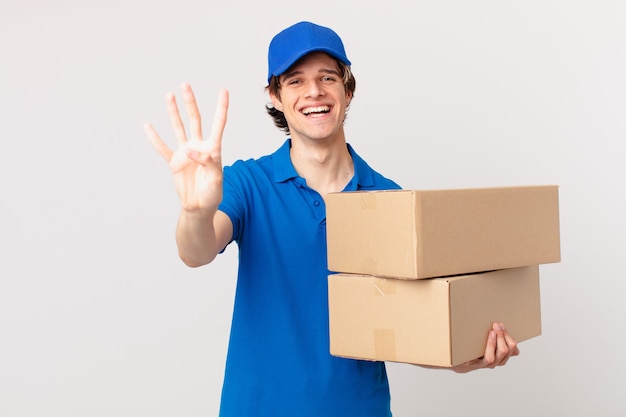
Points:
[(314, 88)]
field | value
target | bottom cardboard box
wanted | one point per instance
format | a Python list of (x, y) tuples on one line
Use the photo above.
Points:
[(437, 322)]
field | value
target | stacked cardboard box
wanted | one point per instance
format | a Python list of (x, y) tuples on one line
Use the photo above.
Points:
[(420, 276)]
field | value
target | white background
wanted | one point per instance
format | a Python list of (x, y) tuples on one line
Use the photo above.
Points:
[(98, 317)]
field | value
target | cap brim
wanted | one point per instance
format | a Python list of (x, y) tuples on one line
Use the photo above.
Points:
[(278, 71)]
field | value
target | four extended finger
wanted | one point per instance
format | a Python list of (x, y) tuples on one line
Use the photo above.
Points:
[(157, 142), (195, 120), (219, 121), (175, 119)]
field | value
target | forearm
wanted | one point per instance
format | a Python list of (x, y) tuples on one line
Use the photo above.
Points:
[(196, 237)]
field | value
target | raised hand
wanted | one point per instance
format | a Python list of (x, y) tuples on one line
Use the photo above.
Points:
[(196, 164)]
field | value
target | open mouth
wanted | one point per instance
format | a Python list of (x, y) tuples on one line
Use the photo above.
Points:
[(315, 110)]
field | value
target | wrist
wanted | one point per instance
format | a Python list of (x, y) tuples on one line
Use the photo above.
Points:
[(195, 213)]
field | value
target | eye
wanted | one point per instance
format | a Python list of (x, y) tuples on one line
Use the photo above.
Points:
[(293, 81)]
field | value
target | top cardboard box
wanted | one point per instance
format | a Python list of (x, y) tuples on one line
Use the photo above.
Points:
[(414, 234)]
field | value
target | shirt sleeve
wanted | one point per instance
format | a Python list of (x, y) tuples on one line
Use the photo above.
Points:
[(233, 203)]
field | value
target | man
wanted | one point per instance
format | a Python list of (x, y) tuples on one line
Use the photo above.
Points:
[(278, 359)]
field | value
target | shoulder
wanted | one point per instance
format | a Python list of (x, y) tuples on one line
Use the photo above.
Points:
[(380, 182), (249, 168), (367, 177), (275, 167)]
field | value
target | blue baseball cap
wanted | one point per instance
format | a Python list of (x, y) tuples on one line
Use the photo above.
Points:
[(298, 40)]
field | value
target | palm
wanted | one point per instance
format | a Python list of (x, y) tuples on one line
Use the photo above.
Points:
[(198, 185), (196, 164)]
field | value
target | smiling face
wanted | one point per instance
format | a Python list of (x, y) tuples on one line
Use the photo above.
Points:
[(313, 98)]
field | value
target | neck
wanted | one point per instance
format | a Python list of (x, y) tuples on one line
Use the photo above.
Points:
[(327, 166)]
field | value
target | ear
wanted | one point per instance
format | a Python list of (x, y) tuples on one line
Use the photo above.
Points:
[(348, 99), (278, 105)]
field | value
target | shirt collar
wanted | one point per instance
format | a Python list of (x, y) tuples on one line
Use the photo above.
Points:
[(284, 169), (362, 173)]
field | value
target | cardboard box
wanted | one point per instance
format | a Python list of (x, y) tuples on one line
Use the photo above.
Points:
[(437, 322), (414, 234)]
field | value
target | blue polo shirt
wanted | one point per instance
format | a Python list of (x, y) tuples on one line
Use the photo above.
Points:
[(278, 362)]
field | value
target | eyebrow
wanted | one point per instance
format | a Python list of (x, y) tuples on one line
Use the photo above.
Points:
[(321, 71)]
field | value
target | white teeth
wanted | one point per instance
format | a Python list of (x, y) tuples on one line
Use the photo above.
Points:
[(318, 109)]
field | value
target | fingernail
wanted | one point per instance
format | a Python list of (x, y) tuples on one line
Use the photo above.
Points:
[(498, 326)]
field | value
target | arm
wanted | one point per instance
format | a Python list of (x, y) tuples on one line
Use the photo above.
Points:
[(200, 237), (196, 166)]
